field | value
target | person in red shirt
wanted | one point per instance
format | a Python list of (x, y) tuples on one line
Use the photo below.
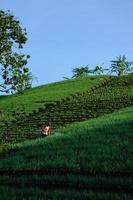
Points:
[(46, 130)]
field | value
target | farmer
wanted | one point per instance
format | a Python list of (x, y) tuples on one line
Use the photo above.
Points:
[(46, 129)]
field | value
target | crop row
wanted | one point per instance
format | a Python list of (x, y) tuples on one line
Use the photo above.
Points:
[(95, 183), (111, 95)]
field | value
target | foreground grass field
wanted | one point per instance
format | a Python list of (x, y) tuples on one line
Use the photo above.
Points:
[(86, 160)]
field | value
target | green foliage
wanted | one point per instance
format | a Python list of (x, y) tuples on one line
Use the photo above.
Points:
[(16, 77), (85, 71), (99, 70), (121, 65), (81, 72)]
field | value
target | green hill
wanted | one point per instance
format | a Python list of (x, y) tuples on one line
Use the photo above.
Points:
[(108, 95), (35, 98), (89, 153), (85, 160)]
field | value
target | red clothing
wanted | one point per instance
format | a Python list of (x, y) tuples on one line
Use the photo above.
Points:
[(46, 130)]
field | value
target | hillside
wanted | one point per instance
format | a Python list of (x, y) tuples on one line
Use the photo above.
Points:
[(35, 98), (85, 160), (91, 159), (109, 95)]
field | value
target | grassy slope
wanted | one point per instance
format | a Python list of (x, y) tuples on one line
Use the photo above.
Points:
[(111, 95), (92, 133), (34, 98), (95, 153)]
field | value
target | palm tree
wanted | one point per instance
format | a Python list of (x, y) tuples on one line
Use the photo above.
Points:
[(121, 66)]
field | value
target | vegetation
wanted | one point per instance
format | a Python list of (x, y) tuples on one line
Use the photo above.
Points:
[(85, 71), (89, 153), (35, 98), (80, 161), (16, 76), (111, 94), (99, 70), (81, 72), (121, 65)]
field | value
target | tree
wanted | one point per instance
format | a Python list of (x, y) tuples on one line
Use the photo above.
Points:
[(80, 72), (14, 74), (99, 70), (121, 66)]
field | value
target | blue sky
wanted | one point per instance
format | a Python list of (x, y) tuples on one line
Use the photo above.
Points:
[(63, 34)]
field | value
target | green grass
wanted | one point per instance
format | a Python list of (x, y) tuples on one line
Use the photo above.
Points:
[(107, 139), (89, 160), (34, 193), (34, 98), (85, 160), (110, 95)]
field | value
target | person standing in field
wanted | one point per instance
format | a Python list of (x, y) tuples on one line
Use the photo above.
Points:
[(46, 130)]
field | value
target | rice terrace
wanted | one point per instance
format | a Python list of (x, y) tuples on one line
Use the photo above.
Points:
[(67, 137)]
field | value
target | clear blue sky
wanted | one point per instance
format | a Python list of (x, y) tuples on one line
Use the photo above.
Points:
[(63, 34)]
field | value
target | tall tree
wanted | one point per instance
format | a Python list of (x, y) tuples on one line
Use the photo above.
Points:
[(121, 65), (15, 76)]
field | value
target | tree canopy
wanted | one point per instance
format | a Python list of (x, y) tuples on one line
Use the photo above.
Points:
[(15, 75), (121, 65), (80, 71), (85, 71)]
